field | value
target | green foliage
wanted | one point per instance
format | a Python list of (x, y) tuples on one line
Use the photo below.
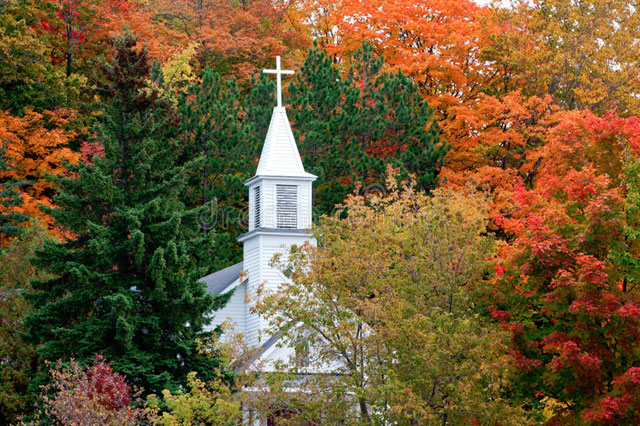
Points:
[(18, 357), (125, 280), (214, 129), (260, 102), (10, 198)]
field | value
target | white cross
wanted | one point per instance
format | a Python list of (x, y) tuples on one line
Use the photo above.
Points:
[(278, 72)]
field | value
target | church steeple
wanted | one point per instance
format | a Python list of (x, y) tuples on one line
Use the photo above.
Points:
[(279, 216), (280, 209)]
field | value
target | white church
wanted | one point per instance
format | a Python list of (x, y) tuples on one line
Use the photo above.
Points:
[(280, 206)]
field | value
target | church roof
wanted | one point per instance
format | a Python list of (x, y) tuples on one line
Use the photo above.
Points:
[(220, 280), (280, 156)]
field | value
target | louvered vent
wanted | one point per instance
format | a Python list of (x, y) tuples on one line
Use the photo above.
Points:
[(287, 207), (256, 209)]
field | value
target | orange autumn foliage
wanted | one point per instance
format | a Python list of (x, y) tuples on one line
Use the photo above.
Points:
[(37, 145), (500, 145), (500, 133), (551, 140), (235, 38), (116, 15)]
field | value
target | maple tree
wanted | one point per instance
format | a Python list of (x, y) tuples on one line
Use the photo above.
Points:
[(443, 39), (115, 16), (501, 147), (621, 404), (318, 17), (559, 286), (97, 395), (37, 145), (384, 301), (235, 38)]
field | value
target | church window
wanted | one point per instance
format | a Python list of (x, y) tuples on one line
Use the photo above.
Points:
[(287, 206), (256, 210)]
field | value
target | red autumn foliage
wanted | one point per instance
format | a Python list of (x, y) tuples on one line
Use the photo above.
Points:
[(106, 387), (95, 396), (574, 328), (90, 149), (621, 405)]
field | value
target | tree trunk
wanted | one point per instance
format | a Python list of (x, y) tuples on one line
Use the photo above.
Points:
[(364, 411)]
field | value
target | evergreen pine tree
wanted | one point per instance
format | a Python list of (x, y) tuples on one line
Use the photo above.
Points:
[(214, 125), (126, 280), (259, 107), (10, 198)]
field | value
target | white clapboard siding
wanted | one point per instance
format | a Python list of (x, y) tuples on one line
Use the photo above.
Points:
[(234, 311), (251, 264)]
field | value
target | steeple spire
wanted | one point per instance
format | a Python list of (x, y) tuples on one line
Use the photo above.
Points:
[(280, 156), (280, 216)]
